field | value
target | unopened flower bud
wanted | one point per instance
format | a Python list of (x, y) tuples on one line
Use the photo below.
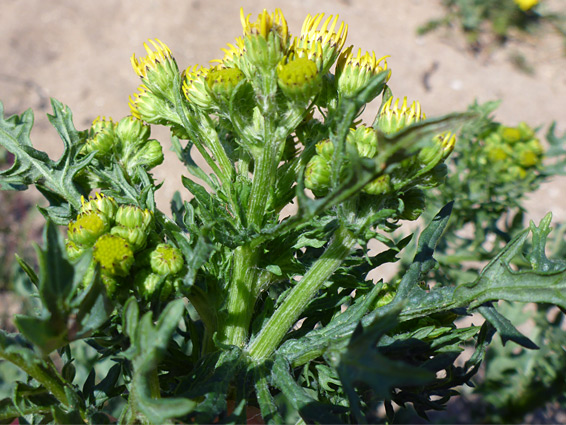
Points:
[(265, 40), (510, 135), (353, 73), (99, 202), (379, 186), (195, 87), (114, 255), (148, 155), (317, 175), (393, 118), (74, 251), (365, 141), (136, 236), (325, 148), (223, 81), (133, 217), (87, 228), (157, 70), (299, 79), (166, 260), (103, 137), (149, 284), (131, 130)]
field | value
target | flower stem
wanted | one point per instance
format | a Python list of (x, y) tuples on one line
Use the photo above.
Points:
[(289, 311), (241, 297)]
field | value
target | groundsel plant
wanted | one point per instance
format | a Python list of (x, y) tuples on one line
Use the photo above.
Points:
[(235, 304)]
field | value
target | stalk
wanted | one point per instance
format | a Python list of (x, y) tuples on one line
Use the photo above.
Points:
[(289, 311), (241, 297), (51, 383)]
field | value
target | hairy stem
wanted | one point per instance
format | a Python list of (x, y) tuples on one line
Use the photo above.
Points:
[(289, 311)]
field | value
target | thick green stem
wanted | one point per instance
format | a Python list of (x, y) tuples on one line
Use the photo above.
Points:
[(265, 170), (48, 378), (289, 311), (241, 298), (154, 389)]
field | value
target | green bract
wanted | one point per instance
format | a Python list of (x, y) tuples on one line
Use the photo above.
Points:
[(259, 293)]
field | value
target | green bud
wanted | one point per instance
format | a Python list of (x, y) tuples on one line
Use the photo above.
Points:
[(149, 284), (317, 175), (528, 158), (152, 109), (379, 186), (299, 79), (393, 118), (166, 260), (414, 201), (114, 255), (136, 236), (99, 202), (365, 141), (509, 134), (74, 251), (354, 72), (223, 81), (148, 155), (87, 228), (132, 130), (103, 138), (325, 148), (134, 217)]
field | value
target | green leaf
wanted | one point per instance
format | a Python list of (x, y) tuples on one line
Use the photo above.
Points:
[(506, 330), (31, 166), (361, 362), (150, 343)]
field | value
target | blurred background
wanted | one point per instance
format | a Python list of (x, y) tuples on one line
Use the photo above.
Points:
[(79, 53)]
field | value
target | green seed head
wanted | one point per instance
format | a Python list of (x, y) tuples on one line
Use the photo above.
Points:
[(114, 255)]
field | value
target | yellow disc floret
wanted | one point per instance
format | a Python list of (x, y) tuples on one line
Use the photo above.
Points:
[(113, 254)]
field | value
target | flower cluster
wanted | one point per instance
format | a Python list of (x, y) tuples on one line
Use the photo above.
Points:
[(512, 153), (126, 141), (125, 246)]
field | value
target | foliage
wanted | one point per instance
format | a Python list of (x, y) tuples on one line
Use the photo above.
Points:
[(497, 17), (232, 306)]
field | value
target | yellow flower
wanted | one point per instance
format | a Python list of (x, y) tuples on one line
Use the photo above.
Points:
[(266, 23), (323, 45), (113, 254), (266, 42), (195, 87), (525, 5), (158, 69), (354, 72), (393, 117)]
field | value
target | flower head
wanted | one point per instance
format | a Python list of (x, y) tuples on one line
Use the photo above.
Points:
[(99, 202), (266, 40), (321, 45), (223, 81), (158, 69), (526, 5), (166, 260), (353, 72), (114, 255), (299, 79), (87, 227), (393, 118), (103, 138), (195, 87), (265, 25), (146, 106)]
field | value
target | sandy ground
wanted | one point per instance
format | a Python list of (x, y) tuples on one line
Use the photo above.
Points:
[(79, 52)]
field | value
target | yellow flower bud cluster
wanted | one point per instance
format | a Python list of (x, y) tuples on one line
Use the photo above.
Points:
[(124, 245), (513, 153)]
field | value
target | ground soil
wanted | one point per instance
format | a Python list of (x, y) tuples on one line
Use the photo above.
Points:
[(79, 53)]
